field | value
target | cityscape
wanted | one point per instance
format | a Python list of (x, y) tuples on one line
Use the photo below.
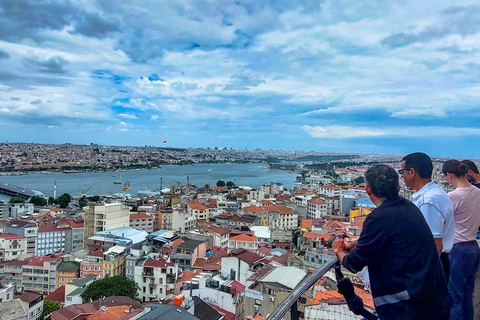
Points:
[(239, 160)]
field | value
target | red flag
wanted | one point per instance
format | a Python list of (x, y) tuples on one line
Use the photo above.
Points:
[(164, 141)]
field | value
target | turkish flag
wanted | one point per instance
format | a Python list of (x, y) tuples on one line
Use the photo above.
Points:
[(164, 141)]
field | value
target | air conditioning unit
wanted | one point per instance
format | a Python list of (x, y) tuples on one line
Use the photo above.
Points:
[(256, 308), (272, 299)]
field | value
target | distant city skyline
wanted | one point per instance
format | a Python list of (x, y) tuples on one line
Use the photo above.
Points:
[(333, 76)]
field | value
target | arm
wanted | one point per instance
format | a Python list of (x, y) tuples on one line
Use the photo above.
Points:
[(436, 221)]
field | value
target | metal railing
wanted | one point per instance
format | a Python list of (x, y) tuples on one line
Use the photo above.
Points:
[(348, 304)]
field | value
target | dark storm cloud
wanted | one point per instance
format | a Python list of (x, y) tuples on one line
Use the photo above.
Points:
[(55, 64), (93, 25)]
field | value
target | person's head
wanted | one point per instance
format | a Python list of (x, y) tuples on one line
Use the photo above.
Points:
[(381, 181), (415, 167), (472, 174), (454, 170)]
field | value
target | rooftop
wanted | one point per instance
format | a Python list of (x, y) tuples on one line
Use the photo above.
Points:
[(190, 244), (68, 266), (39, 261), (288, 277), (10, 236), (167, 312), (244, 237), (13, 309), (57, 295)]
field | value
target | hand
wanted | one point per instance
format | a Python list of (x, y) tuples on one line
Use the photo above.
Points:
[(338, 245), (350, 244)]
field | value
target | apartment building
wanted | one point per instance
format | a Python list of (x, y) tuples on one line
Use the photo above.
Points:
[(12, 246), (243, 241), (39, 274), (142, 221), (66, 272), (27, 229), (282, 217), (197, 210), (33, 303), (105, 217), (155, 278), (316, 208), (92, 264), (53, 237), (187, 252), (114, 261), (11, 272)]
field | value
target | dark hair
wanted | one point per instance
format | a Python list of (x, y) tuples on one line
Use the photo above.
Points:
[(383, 180), (420, 162), (455, 167), (471, 165)]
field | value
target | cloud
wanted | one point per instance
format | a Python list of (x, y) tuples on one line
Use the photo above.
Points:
[(4, 54), (127, 116), (154, 117), (38, 101), (123, 123), (346, 132), (93, 25)]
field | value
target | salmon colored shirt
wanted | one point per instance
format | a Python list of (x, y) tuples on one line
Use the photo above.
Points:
[(466, 205)]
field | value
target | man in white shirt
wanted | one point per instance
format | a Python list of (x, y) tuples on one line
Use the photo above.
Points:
[(433, 202)]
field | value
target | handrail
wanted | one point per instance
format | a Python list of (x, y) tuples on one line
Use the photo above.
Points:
[(300, 289)]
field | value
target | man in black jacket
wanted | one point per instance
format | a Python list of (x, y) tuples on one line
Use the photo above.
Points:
[(396, 244)]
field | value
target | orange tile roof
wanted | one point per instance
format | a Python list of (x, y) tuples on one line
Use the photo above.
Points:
[(316, 201), (244, 237), (307, 224), (195, 205), (327, 295), (330, 187), (324, 237), (333, 224), (76, 223), (112, 313), (280, 208), (187, 275), (254, 209), (140, 215), (267, 202), (176, 243), (218, 230)]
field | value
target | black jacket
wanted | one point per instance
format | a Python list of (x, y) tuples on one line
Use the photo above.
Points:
[(405, 271)]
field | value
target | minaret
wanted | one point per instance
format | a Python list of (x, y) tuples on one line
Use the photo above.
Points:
[(55, 190), (188, 180)]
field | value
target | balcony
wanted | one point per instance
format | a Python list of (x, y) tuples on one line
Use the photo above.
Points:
[(153, 284)]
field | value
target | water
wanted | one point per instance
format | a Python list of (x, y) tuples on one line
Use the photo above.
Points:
[(102, 182)]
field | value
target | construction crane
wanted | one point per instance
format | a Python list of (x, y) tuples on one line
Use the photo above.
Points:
[(125, 182), (84, 192)]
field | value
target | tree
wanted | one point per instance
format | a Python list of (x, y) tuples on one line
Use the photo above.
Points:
[(51, 200), (82, 202), (38, 201), (64, 200), (48, 308), (94, 198), (113, 286), (220, 183), (359, 180), (230, 184), (207, 186), (134, 208), (17, 200)]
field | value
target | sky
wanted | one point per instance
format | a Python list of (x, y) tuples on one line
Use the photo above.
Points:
[(330, 76)]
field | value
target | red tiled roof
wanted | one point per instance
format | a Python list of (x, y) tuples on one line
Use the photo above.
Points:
[(307, 224), (237, 286), (254, 209), (244, 237), (219, 230), (187, 275), (97, 253), (140, 215), (10, 236), (316, 201), (157, 263), (222, 252), (228, 315), (279, 208), (50, 227), (247, 256), (74, 312), (38, 261), (331, 225), (57, 295), (267, 202), (176, 243), (195, 205), (112, 313), (330, 187)]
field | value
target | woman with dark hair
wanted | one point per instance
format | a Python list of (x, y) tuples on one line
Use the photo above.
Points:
[(465, 254)]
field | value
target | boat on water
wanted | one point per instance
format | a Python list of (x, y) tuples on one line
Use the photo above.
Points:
[(117, 182)]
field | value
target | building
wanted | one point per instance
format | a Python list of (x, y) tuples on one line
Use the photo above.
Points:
[(77, 227), (142, 221), (24, 228), (39, 274), (137, 253), (114, 261), (53, 237), (6, 292), (187, 252), (20, 209), (66, 272), (11, 246), (197, 210), (92, 264), (329, 191), (33, 303), (104, 217), (243, 241), (13, 310), (316, 208), (263, 235), (219, 236), (155, 278), (11, 273), (282, 217), (74, 289)]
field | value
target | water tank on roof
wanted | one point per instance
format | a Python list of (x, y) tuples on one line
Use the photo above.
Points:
[(214, 283), (207, 254)]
